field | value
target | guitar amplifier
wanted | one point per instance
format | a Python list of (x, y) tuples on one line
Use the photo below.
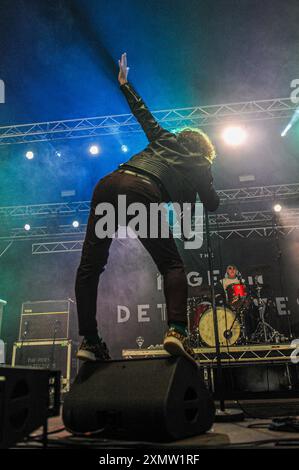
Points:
[(45, 320), (52, 355)]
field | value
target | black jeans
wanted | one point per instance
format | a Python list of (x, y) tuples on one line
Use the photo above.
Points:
[(95, 252)]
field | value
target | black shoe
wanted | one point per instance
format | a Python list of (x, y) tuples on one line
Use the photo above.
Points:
[(93, 351)]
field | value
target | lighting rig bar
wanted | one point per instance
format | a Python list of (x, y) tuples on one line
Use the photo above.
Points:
[(226, 225), (281, 191), (263, 218), (126, 123), (253, 232)]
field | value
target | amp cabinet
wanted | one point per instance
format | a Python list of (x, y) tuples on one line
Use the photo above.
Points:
[(58, 355), (45, 320)]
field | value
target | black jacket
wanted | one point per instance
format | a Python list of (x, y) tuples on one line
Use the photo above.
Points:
[(181, 173)]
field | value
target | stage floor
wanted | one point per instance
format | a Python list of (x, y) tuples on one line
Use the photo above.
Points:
[(250, 433)]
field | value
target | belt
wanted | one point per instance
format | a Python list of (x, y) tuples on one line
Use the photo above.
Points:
[(143, 177), (147, 179)]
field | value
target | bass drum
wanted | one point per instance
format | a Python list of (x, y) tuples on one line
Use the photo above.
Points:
[(229, 327)]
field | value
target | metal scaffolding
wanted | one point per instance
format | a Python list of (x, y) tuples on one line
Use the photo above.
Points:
[(45, 210), (126, 123), (53, 221), (240, 220), (54, 233), (258, 193), (57, 247), (69, 246), (260, 223)]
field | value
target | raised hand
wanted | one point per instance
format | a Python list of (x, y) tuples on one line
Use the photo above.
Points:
[(123, 69)]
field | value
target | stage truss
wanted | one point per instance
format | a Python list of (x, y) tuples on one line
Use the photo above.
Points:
[(51, 224), (236, 195), (240, 221), (232, 354), (126, 123), (51, 228), (67, 246)]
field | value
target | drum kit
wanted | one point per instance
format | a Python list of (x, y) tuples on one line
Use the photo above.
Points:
[(231, 317)]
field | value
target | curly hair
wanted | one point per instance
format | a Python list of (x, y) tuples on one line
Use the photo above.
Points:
[(197, 142)]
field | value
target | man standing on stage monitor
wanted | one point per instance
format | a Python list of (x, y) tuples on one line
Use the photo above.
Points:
[(174, 167)]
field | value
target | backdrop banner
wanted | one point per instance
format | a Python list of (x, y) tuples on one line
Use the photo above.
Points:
[(131, 304)]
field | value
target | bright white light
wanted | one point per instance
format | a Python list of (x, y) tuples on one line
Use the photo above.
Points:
[(234, 135), (277, 208), (75, 224), (124, 148), (286, 130), (29, 155), (94, 149), (27, 227), (58, 154)]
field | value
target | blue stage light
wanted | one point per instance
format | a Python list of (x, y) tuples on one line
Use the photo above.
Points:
[(94, 150), (29, 155)]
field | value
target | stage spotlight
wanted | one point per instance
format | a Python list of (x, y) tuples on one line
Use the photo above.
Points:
[(94, 150), (75, 224), (27, 227), (286, 130), (124, 148), (277, 207), (234, 135), (292, 122), (29, 155)]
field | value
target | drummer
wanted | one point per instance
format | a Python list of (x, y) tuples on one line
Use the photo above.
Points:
[(232, 276)]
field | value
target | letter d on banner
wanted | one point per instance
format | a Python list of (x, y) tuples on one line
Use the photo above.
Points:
[(123, 314)]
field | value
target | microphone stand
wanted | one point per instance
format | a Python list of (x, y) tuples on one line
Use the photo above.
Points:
[(275, 222), (222, 414)]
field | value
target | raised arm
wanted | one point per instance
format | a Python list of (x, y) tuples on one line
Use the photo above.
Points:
[(139, 109)]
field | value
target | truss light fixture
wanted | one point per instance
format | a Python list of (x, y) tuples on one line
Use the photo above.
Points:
[(286, 130), (234, 135), (29, 155), (277, 207), (94, 150)]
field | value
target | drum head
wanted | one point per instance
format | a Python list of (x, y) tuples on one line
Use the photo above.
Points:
[(228, 334)]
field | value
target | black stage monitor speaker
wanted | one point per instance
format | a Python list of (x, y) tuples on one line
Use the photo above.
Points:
[(148, 399), (26, 401)]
